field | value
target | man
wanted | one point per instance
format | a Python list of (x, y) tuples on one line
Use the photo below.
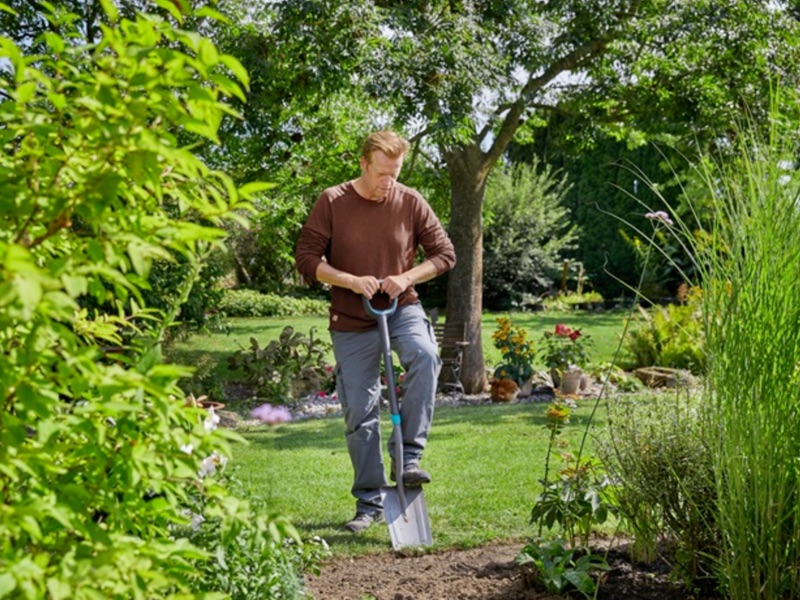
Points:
[(361, 238)]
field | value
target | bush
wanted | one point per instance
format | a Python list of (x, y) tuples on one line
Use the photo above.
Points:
[(287, 368), (100, 454), (259, 555), (658, 454), (249, 303), (526, 232), (670, 336)]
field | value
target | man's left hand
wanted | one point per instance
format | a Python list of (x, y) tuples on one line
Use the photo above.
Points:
[(395, 285)]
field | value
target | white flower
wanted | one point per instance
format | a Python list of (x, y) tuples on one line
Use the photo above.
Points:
[(212, 420), (318, 540), (210, 464), (187, 449), (196, 519)]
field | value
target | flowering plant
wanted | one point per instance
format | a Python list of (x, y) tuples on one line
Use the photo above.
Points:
[(565, 347), (517, 350)]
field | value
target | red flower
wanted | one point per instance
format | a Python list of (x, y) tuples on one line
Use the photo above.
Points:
[(575, 335), (563, 330)]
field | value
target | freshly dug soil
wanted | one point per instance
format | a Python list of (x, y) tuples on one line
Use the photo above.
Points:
[(488, 573)]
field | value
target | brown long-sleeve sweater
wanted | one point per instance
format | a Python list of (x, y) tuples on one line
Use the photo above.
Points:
[(368, 237)]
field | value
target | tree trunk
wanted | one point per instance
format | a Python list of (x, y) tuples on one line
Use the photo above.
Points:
[(466, 167)]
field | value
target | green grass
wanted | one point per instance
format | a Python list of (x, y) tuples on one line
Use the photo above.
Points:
[(604, 329), (486, 462)]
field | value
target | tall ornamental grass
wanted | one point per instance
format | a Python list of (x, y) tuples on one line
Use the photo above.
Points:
[(749, 262)]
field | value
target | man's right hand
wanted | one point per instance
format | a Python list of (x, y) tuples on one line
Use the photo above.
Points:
[(365, 286)]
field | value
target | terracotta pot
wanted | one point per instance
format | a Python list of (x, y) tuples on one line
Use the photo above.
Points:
[(206, 404), (571, 382)]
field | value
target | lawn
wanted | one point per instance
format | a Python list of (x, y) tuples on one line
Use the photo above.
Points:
[(486, 462), (212, 349)]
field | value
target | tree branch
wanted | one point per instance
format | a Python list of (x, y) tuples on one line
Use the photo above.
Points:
[(568, 62)]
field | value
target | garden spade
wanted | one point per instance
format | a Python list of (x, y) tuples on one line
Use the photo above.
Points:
[(404, 508)]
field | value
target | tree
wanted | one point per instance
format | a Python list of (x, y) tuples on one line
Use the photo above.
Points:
[(471, 76)]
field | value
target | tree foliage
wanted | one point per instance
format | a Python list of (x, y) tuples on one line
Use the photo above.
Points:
[(99, 455)]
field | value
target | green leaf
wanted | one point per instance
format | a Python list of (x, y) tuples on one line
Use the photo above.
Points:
[(59, 589), (75, 285), (237, 68), (7, 582), (54, 41), (25, 92), (110, 8), (172, 7), (254, 187), (581, 580), (207, 53)]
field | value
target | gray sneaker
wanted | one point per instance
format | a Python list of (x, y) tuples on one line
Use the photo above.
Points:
[(363, 521), (413, 476)]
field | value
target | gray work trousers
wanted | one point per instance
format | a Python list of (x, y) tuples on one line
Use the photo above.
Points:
[(358, 360)]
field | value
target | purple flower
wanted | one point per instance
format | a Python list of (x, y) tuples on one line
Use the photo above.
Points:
[(659, 215), (271, 415)]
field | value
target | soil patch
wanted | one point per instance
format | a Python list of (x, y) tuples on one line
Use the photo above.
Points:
[(489, 572)]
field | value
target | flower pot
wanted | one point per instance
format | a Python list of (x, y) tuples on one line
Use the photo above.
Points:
[(571, 382)]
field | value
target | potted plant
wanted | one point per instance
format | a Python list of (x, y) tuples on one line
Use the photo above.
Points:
[(565, 353), (518, 354)]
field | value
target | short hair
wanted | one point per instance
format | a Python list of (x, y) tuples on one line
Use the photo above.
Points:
[(388, 142)]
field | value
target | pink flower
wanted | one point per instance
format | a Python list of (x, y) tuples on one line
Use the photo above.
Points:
[(271, 415), (659, 215)]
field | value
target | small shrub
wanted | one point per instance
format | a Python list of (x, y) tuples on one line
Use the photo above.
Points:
[(564, 347), (257, 555), (286, 368), (249, 303), (658, 454), (556, 569), (669, 336)]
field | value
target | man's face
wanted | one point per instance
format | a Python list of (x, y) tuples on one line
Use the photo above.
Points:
[(380, 174)]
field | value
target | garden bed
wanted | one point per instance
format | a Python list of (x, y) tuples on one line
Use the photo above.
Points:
[(489, 572)]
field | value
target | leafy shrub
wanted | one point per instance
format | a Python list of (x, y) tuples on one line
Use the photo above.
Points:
[(204, 379), (249, 303), (100, 454), (258, 555), (526, 231), (670, 336), (658, 453), (558, 569), (286, 368), (579, 499)]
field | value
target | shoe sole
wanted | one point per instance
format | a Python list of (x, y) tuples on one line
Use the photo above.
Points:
[(414, 482)]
